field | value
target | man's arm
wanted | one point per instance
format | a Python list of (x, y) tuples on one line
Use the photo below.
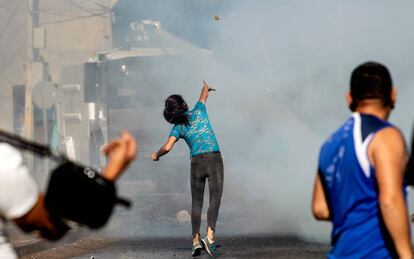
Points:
[(38, 219), (320, 207), (388, 155), (120, 153), (164, 149)]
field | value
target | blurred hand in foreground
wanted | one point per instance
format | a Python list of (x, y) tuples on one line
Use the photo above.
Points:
[(120, 153)]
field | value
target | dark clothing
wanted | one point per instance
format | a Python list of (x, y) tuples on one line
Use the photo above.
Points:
[(410, 166), (207, 165)]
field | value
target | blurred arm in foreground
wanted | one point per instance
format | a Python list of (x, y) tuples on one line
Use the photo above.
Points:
[(22, 203)]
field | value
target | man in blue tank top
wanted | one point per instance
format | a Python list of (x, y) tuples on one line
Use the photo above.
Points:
[(359, 185)]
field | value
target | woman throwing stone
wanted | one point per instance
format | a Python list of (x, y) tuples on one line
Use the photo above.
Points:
[(206, 161)]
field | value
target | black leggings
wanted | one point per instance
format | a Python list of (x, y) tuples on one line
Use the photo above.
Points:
[(207, 165)]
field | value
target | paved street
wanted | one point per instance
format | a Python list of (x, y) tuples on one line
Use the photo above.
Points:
[(152, 229), (230, 247)]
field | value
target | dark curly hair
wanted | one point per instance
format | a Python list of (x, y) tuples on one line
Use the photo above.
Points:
[(175, 110), (371, 80)]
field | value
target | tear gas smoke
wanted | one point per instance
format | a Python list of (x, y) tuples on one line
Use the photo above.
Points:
[(283, 68)]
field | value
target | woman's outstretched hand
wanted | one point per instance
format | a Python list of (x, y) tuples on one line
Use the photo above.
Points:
[(204, 92), (209, 89)]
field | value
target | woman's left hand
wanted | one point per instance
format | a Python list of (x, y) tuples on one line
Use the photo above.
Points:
[(154, 156)]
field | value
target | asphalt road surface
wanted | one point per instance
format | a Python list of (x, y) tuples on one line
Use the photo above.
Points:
[(229, 247), (152, 229)]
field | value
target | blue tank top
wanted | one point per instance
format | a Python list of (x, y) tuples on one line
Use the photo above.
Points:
[(351, 188)]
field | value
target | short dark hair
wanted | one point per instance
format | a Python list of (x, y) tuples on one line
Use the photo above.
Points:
[(175, 110), (371, 80)]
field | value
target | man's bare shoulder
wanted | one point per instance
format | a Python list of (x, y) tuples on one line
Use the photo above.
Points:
[(387, 144), (389, 136)]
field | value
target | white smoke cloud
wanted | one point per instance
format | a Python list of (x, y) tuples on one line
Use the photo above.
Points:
[(281, 70)]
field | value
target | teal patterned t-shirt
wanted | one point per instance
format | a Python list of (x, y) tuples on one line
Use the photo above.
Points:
[(198, 134)]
